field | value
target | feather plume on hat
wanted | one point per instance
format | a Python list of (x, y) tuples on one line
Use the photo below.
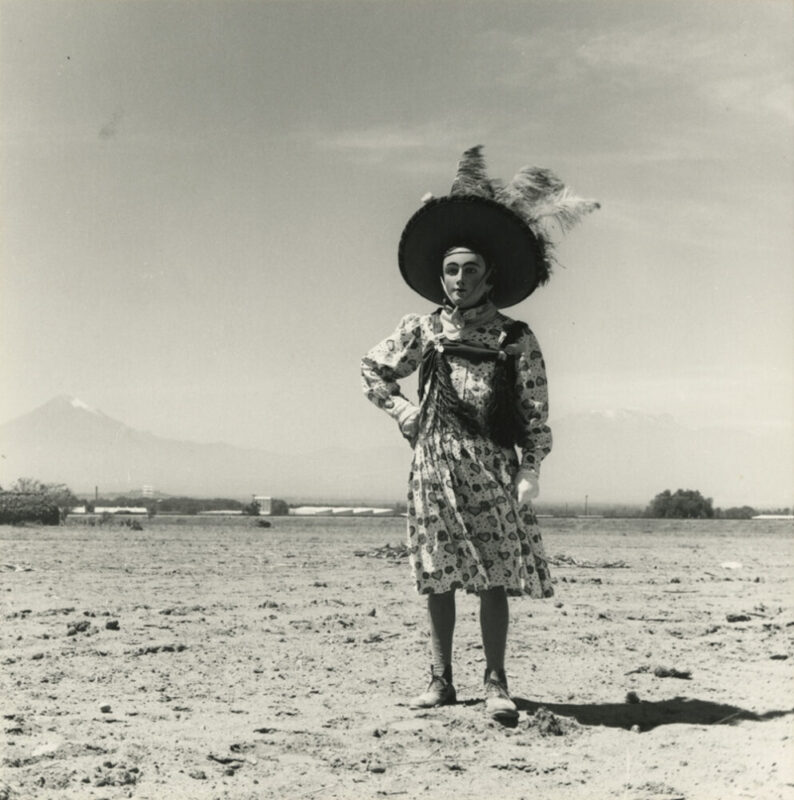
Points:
[(472, 179), (536, 194), (541, 198)]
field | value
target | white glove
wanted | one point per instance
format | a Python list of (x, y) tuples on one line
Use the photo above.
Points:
[(525, 485), (408, 420)]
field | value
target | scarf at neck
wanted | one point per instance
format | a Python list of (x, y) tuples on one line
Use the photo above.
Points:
[(454, 319)]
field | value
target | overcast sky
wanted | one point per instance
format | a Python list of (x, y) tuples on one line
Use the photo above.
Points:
[(201, 202)]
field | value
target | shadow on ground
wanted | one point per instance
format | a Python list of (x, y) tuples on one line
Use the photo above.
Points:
[(678, 710)]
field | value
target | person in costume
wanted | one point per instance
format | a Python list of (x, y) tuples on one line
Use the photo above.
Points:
[(482, 394)]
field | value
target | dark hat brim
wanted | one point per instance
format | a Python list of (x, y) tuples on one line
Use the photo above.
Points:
[(509, 247)]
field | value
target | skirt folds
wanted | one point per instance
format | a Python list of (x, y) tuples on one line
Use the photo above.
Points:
[(465, 528)]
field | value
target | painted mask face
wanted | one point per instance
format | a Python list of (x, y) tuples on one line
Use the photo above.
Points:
[(464, 276)]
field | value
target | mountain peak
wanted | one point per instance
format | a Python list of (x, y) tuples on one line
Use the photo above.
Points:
[(76, 402), (68, 401)]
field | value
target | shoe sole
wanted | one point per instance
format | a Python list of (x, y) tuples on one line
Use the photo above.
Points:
[(504, 716), (450, 701)]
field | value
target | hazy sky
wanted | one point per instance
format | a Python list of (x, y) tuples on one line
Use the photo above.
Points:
[(201, 202)]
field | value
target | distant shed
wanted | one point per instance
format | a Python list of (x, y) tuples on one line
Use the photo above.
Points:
[(265, 504)]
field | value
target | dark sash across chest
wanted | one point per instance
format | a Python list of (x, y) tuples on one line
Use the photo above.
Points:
[(443, 406)]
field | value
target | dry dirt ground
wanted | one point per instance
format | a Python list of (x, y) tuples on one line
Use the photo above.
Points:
[(206, 659)]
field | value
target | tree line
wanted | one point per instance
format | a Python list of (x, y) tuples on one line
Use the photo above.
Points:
[(188, 506), (32, 500), (690, 504)]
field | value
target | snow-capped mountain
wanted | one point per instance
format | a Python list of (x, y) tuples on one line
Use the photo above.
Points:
[(68, 441)]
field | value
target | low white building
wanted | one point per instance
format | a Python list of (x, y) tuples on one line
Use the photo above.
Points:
[(120, 510), (265, 507), (341, 511)]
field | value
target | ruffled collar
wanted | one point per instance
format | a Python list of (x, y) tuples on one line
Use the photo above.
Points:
[(454, 320)]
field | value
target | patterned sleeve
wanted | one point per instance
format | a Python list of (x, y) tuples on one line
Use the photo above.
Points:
[(395, 357), (533, 401)]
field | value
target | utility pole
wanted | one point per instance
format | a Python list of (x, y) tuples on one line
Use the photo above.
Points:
[(585, 504)]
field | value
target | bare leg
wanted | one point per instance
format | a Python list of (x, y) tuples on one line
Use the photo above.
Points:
[(494, 620), (441, 615)]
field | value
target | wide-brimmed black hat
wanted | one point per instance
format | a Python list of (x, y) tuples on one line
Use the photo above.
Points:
[(507, 225)]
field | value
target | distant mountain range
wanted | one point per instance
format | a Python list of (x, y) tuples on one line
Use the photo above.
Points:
[(623, 457), (67, 441), (631, 456)]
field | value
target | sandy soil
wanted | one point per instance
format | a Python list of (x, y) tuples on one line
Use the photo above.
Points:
[(231, 661)]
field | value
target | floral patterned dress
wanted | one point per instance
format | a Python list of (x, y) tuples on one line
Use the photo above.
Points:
[(465, 527)]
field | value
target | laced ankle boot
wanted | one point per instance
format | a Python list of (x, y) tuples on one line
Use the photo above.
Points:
[(440, 691), (498, 703)]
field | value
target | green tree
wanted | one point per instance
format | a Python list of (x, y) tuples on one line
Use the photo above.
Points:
[(30, 500), (736, 512), (61, 495), (27, 486), (278, 508), (252, 509), (681, 504), (180, 505), (58, 494)]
